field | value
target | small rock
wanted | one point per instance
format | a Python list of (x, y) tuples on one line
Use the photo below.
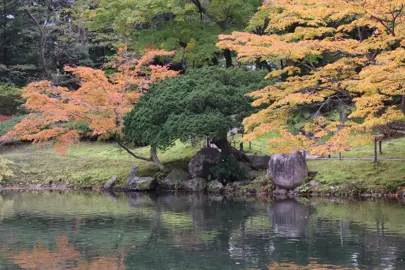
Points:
[(215, 187), (196, 185), (280, 191), (142, 184), (110, 183), (297, 190), (314, 183), (174, 180), (133, 173)]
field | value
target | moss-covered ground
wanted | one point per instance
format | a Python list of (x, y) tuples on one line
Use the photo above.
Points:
[(86, 164), (92, 163)]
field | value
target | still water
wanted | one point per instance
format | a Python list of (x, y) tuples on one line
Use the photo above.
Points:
[(79, 230)]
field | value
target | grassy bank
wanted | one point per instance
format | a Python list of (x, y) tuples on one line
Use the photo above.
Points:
[(86, 164), (91, 164)]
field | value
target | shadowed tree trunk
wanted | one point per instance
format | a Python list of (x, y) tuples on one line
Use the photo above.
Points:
[(228, 58), (228, 149)]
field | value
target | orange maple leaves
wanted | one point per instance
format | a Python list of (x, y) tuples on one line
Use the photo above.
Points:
[(98, 107), (326, 53)]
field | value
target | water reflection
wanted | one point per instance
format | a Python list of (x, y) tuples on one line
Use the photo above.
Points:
[(289, 217), (78, 230)]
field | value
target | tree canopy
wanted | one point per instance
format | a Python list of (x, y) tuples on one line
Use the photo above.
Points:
[(330, 56), (190, 27), (97, 107), (203, 103)]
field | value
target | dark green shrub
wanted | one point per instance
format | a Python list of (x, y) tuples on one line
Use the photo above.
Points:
[(228, 170)]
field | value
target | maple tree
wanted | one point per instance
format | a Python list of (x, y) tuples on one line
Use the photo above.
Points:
[(63, 256), (340, 62), (97, 108)]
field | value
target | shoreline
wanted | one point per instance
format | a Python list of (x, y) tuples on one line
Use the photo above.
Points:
[(399, 195)]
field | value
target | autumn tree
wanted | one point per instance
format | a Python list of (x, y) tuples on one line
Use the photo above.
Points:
[(97, 108), (203, 103), (340, 62)]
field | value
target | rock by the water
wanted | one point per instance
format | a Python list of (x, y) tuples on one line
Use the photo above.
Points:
[(215, 187), (259, 162), (280, 191), (250, 173), (133, 173), (201, 164), (314, 183), (288, 171), (110, 183), (142, 184), (196, 185), (174, 180)]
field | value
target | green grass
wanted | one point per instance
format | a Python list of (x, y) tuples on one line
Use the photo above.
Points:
[(8, 125), (91, 164), (86, 164)]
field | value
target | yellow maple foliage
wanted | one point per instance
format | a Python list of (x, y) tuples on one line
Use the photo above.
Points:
[(327, 54)]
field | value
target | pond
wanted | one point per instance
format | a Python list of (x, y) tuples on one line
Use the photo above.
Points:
[(91, 230)]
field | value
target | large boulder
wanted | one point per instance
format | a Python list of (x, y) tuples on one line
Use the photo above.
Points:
[(174, 180), (201, 164), (288, 171), (196, 185), (259, 162), (142, 184)]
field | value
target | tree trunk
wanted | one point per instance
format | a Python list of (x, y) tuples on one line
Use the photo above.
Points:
[(155, 158), (228, 149), (5, 62), (228, 58), (43, 57)]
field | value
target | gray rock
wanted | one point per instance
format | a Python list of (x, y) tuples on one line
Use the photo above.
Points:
[(133, 173), (288, 171), (201, 164), (142, 184), (280, 191), (174, 180), (250, 173), (259, 162), (215, 187), (110, 183), (314, 183), (196, 185)]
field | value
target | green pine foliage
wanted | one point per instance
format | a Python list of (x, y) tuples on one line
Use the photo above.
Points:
[(205, 102)]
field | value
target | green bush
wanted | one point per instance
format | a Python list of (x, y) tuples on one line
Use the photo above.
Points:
[(10, 99), (8, 125), (228, 170)]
